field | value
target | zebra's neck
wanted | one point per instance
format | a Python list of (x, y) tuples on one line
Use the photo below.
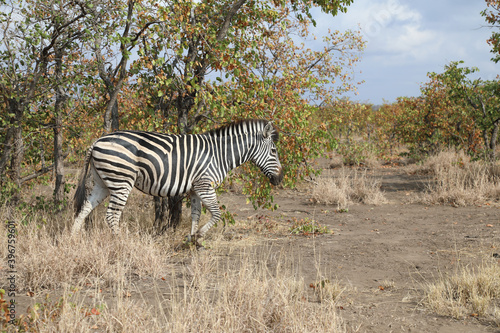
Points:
[(235, 145), (233, 151)]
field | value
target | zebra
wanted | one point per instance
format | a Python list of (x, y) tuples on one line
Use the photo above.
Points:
[(168, 165)]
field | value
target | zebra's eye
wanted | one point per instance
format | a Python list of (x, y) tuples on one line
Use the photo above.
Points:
[(273, 151)]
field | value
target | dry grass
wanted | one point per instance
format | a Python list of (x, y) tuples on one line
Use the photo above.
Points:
[(49, 257), (469, 292), (250, 298), (247, 297), (460, 181), (347, 188), (70, 313), (95, 258), (134, 282)]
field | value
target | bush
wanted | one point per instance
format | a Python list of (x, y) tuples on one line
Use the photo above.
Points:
[(346, 189), (459, 181)]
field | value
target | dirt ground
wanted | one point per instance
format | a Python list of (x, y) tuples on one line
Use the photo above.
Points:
[(386, 254), (383, 255)]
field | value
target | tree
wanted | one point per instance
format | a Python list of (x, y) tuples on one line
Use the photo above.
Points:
[(176, 66), (31, 34), (492, 17), (453, 110), (478, 98), (257, 71)]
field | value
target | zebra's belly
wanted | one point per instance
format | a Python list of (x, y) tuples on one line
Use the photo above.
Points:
[(162, 189)]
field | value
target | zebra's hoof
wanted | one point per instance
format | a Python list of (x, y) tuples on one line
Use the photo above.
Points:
[(194, 240), (200, 243), (191, 239)]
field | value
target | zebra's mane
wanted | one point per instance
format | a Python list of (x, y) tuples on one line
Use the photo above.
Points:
[(261, 123)]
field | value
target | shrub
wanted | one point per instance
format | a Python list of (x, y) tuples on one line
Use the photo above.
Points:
[(348, 188), (469, 292), (459, 181)]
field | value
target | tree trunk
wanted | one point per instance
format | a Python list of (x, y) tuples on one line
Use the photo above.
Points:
[(6, 154), (168, 213), (494, 139), (14, 148), (161, 221), (111, 122), (115, 124), (16, 160), (58, 161), (58, 132)]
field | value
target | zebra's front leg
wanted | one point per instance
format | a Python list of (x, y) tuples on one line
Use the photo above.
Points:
[(215, 211), (195, 216), (209, 199)]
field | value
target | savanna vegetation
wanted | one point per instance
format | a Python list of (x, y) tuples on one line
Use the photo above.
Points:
[(72, 71)]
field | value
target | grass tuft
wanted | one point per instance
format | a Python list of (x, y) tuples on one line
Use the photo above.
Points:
[(459, 181), (470, 292), (347, 188)]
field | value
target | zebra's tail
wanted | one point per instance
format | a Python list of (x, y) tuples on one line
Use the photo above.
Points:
[(81, 190)]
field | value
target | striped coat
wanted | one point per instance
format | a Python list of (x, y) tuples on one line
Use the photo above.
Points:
[(168, 165)]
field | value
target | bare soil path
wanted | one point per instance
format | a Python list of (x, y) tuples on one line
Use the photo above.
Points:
[(385, 254)]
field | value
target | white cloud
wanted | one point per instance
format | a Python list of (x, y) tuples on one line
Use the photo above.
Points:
[(394, 29), (377, 15), (407, 39)]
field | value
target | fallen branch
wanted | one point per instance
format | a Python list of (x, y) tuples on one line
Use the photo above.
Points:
[(37, 173)]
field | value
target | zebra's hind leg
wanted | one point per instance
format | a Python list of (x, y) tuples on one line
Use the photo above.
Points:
[(117, 201), (195, 215), (98, 194)]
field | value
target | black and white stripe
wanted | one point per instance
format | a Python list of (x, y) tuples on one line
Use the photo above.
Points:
[(168, 165)]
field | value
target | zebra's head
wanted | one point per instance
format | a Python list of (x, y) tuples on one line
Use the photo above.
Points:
[(266, 157)]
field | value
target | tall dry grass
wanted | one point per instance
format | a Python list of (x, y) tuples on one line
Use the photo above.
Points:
[(469, 292), (251, 297), (134, 282), (48, 256), (458, 180), (347, 188)]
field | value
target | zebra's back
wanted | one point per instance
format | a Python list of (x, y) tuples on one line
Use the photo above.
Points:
[(157, 164)]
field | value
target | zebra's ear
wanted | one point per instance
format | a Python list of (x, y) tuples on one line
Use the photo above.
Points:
[(268, 130)]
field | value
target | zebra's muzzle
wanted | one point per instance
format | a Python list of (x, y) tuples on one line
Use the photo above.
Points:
[(276, 179)]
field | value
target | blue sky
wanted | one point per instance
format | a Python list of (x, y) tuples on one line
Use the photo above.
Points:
[(406, 39)]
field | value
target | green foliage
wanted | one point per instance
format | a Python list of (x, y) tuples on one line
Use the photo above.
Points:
[(7, 190), (226, 216), (492, 17), (42, 204), (478, 99), (261, 71), (307, 227), (4, 309), (452, 111), (357, 153)]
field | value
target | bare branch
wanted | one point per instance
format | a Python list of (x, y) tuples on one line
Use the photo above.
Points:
[(38, 173), (331, 48), (227, 21)]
